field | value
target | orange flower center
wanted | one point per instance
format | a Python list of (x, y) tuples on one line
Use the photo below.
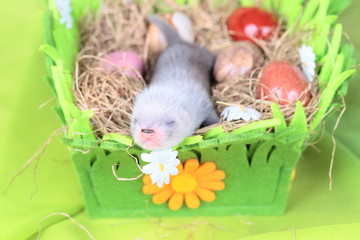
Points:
[(184, 183)]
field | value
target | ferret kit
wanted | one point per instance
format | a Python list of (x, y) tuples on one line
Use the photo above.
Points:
[(189, 108)]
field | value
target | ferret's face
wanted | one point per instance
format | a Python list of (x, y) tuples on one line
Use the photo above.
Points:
[(155, 129)]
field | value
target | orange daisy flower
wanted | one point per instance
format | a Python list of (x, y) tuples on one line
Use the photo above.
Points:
[(192, 183)]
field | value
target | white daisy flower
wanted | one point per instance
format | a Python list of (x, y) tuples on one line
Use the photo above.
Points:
[(236, 112), (307, 58), (161, 165), (64, 7)]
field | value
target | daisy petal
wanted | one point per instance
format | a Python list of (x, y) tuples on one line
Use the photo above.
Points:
[(224, 114), (162, 196), (161, 178), (166, 154), (146, 157), (151, 189), (173, 154), (255, 115), (148, 168), (173, 162), (215, 175), (307, 59), (205, 194), (213, 185), (191, 165), (235, 113), (147, 179), (180, 168), (176, 201), (167, 179), (246, 117), (205, 168), (173, 171), (192, 200), (160, 156), (155, 177)]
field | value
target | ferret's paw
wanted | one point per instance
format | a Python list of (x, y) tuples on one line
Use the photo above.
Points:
[(239, 112)]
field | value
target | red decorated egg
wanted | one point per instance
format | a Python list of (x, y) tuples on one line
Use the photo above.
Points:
[(251, 22), (126, 61), (284, 83)]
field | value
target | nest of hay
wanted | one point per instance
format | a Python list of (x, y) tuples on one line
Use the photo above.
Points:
[(120, 25)]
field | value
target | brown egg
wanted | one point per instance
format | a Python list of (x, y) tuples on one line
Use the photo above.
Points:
[(156, 39), (284, 83), (177, 20), (237, 61)]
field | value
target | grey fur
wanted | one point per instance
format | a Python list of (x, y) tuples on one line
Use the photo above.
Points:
[(179, 90)]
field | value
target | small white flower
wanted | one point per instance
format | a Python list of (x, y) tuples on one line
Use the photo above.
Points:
[(64, 7), (236, 112), (161, 165), (307, 58)]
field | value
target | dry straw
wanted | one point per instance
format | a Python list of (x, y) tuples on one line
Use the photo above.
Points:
[(121, 26)]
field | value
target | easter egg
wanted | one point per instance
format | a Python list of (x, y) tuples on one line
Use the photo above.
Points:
[(156, 39), (284, 83), (180, 22), (238, 60), (251, 22), (183, 25), (127, 61)]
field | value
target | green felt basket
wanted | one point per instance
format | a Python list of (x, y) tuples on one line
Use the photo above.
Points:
[(258, 163)]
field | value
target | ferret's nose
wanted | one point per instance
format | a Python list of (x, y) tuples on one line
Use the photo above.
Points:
[(147, 131)]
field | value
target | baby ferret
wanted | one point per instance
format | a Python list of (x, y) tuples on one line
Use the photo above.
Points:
[(177, 99)]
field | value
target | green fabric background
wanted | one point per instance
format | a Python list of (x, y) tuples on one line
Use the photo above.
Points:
[(313, 212)]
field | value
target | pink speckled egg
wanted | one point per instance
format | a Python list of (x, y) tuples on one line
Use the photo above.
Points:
[(126, 61), (284, 83)]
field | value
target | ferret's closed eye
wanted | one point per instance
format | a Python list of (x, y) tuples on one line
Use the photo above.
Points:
[(170, 123)]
